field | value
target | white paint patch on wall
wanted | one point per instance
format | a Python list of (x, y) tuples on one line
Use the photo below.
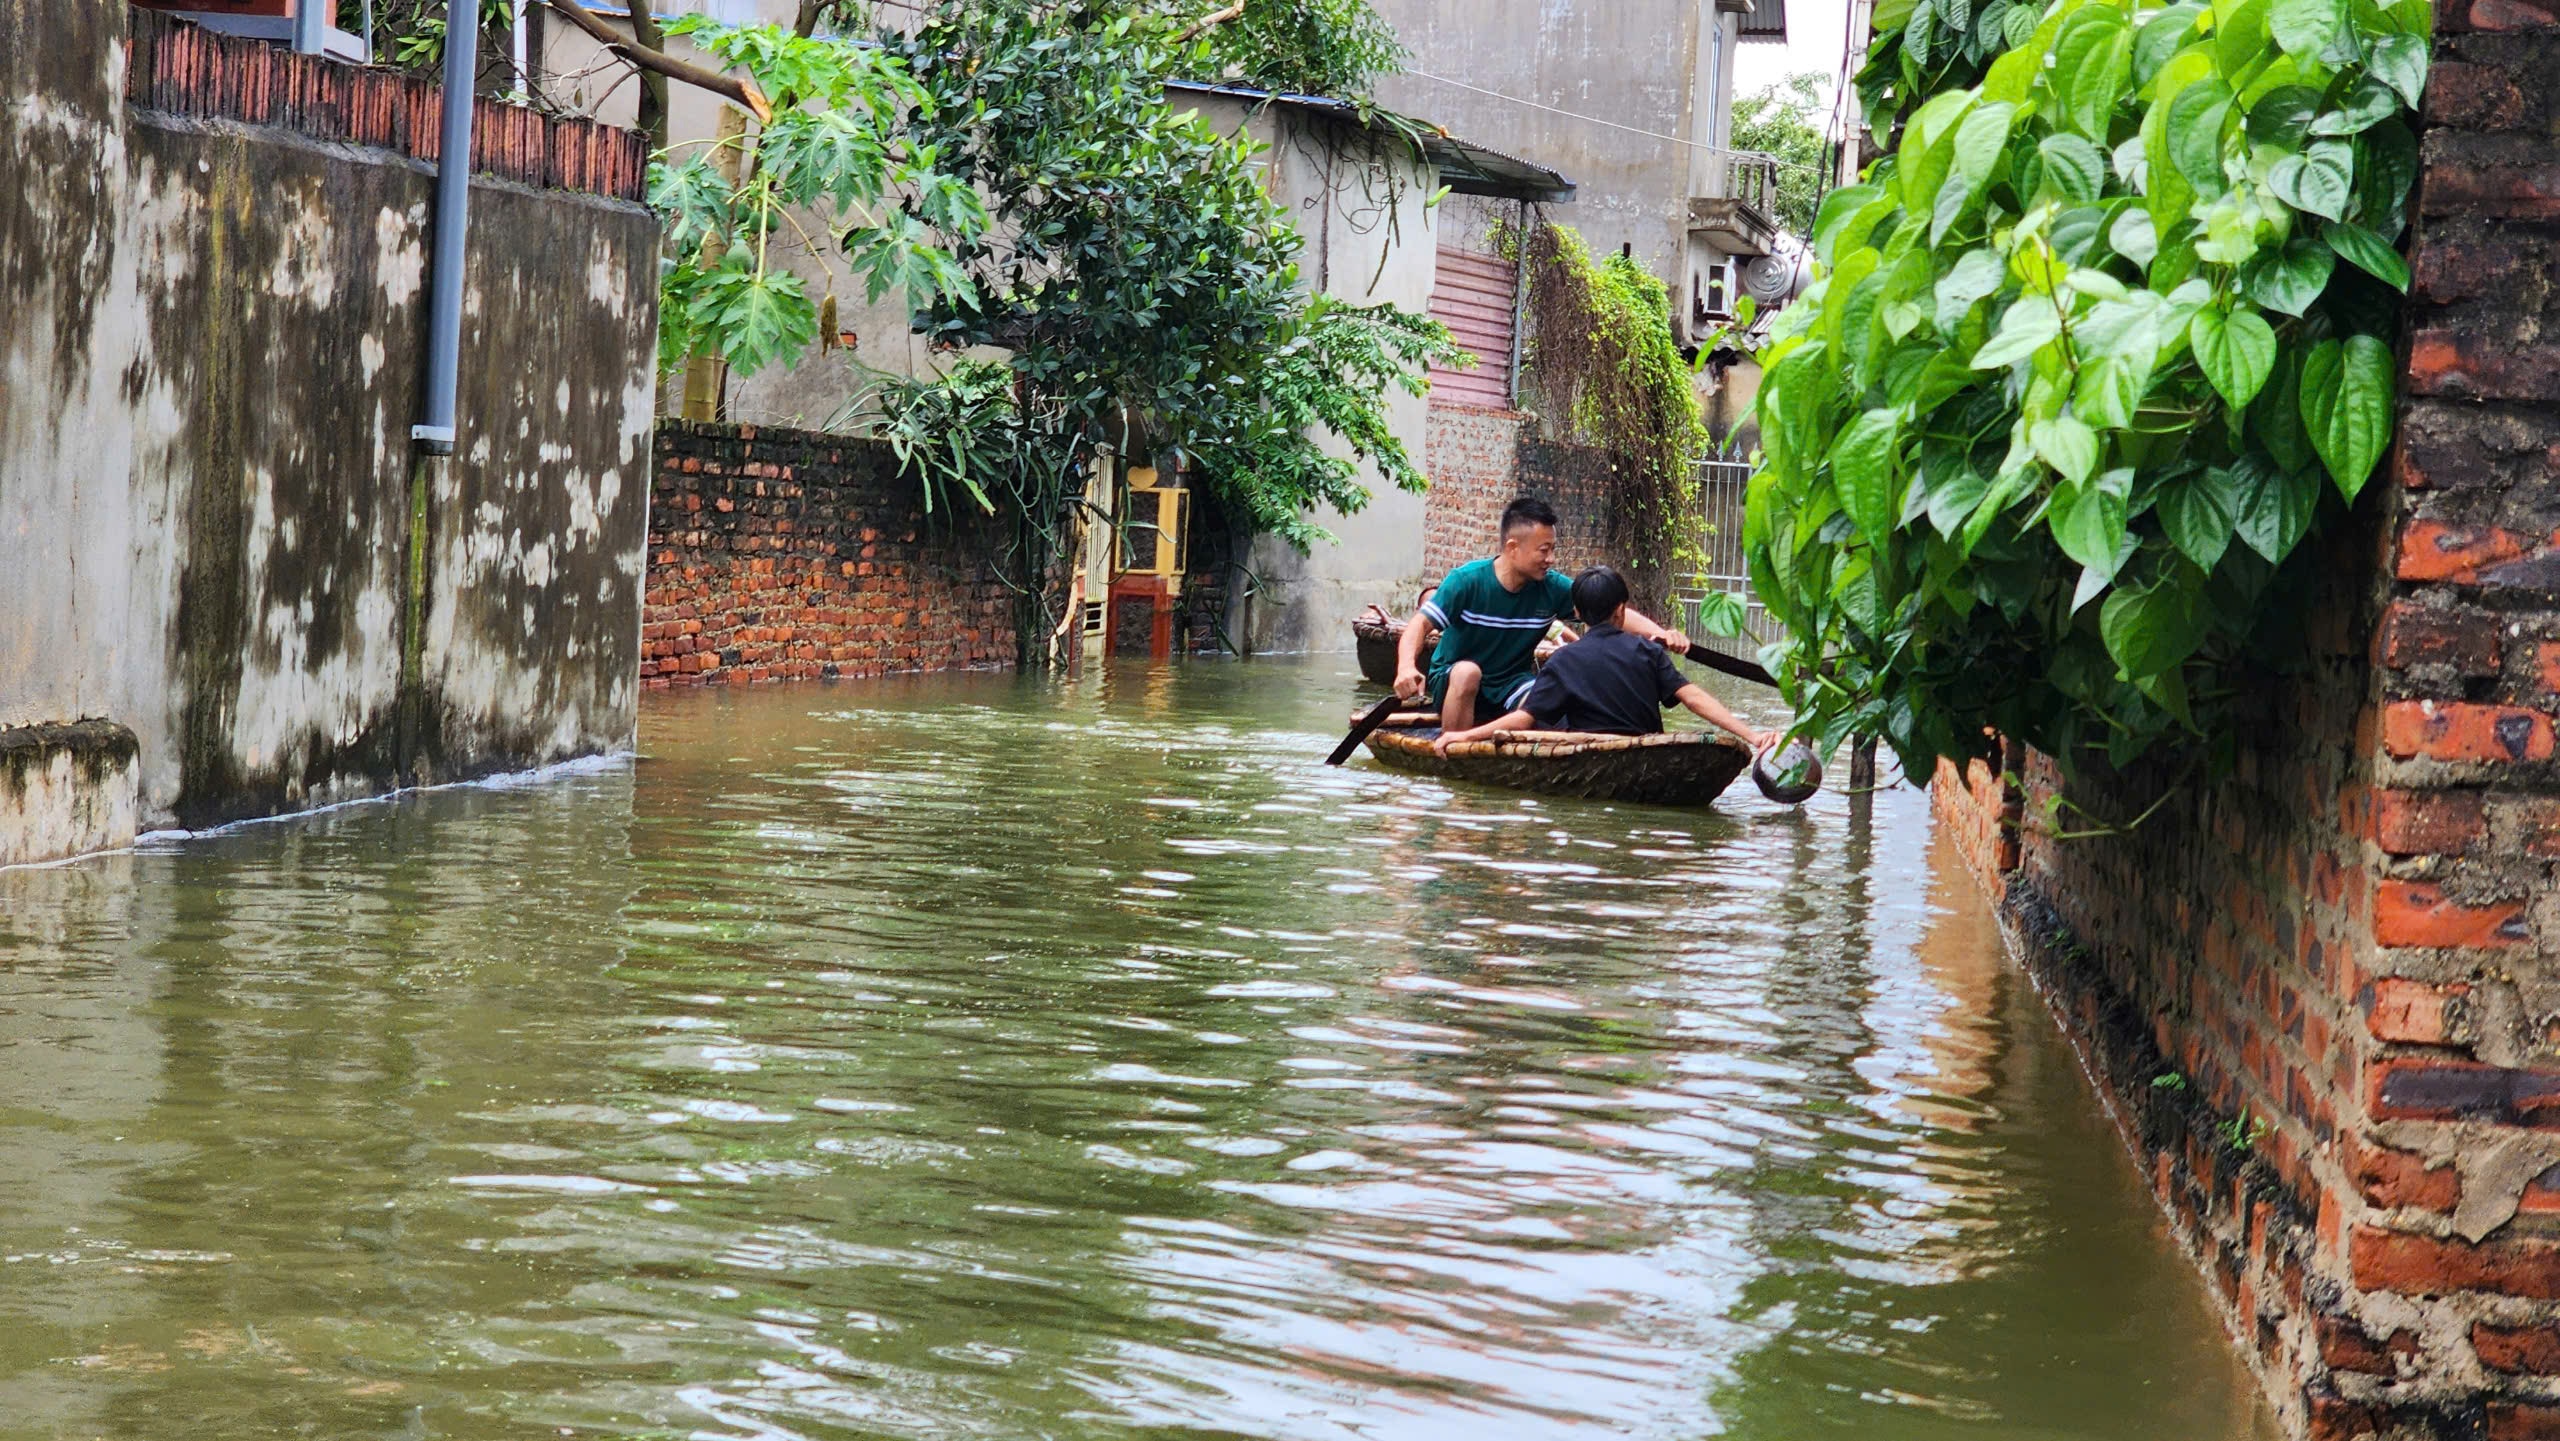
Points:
[(400, 256), (306, 261)]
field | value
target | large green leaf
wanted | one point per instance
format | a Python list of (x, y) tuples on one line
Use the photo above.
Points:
[(2305, 27), (2282, 117), (2368, 253), (2110, 389), (1867, 472), (2133, 237), (2369, 104), (1954, 492), (2291, 279), (2199, 514), (2240, 36), (1980, 138), (2197, 119), (2092, 60), (2029, 324), (1976, 274), (2090, 527), (2160, 37), (2276, 506), (2154, 629), (2400, 61), (2075, 168), (2346, 405), (2236, 351), (2275, 417), (2386, 169), (2318, 181), (2068, 445)]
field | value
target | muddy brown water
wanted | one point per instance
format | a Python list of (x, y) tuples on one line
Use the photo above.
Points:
[(983, 1057)]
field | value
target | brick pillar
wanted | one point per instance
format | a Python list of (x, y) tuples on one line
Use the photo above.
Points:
[(2451, 1235), (2324, 993)]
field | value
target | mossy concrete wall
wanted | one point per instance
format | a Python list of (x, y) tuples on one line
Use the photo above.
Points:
[(217, 532)]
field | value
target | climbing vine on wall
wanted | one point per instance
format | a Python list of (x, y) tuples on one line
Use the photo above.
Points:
[(2094, 349), (1606, 365)]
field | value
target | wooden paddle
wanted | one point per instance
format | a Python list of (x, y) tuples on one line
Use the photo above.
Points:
[(1370, 719), (1733, 666)]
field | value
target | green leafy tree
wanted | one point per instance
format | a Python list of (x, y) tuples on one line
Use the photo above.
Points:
[(837, 151), (1139, 278), (1786, 120), (2095, 347), (1310, 47)]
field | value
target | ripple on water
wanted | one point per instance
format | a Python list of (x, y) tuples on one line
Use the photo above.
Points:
[(982, 1057)]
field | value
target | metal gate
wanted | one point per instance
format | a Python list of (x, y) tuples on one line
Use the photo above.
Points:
[(1722, 481)]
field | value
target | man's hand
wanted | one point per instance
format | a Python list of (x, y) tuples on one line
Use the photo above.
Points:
[(1676, 642), (1440, 746), (1410, 683)]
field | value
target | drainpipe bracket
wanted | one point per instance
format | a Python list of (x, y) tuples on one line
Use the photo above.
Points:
[(433, 439)]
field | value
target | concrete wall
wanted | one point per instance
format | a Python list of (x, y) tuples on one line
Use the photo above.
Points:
[(786, 555), (1371, 239), (2348, 954), (1633, 63), (219, 535)]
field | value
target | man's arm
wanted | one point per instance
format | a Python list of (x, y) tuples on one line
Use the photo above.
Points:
[(1518, 720), (1636, 623), (1713, 712), (1410, 682)]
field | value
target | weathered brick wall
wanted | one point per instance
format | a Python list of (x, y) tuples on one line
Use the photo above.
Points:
[(2348, 953), (1980, 810), (787, 555), (1472, 455), (1479, 460)]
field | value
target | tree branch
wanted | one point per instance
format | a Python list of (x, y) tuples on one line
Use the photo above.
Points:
[(1208, 22), (736, 87)]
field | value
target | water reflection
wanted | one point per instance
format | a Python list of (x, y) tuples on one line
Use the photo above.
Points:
[(978, 1057)]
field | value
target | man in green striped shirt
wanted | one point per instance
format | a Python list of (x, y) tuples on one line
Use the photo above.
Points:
[(1489, 616)]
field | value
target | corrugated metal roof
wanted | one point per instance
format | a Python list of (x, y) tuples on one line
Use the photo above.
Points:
[(1465, 168), (1767, 21)]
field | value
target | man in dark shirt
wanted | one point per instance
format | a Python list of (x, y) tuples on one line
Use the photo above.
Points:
[(1610, 681)]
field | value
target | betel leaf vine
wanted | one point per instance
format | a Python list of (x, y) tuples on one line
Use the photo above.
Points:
[(2092, 350)]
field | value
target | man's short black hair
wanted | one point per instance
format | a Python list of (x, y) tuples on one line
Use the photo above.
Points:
[(1527, 510), (1597, 594)]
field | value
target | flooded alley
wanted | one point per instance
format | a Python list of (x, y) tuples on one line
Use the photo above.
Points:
[(988, 1056)]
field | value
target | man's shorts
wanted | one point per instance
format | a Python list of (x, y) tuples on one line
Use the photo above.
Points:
[(1499, 694)]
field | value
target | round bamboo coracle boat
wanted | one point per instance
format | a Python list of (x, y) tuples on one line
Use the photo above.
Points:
[(1374, 634), (1675, 768)]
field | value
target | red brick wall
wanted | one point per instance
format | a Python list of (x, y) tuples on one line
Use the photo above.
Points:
[(2348, 953), (785, 555), (1479, 460), (1472, 455)]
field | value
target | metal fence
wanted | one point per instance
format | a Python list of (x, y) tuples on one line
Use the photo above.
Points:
[(1722, 480)]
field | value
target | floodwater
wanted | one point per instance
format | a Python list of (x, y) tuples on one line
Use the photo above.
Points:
[(982, 1057)]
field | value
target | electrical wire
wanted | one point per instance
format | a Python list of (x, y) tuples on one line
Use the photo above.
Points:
[(1612, 124)]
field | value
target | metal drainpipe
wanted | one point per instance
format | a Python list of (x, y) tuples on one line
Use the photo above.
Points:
[(1519, 297), (310, 26), (434, 431)]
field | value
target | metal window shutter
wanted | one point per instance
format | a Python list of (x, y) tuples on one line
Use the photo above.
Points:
[(1473, 298)]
